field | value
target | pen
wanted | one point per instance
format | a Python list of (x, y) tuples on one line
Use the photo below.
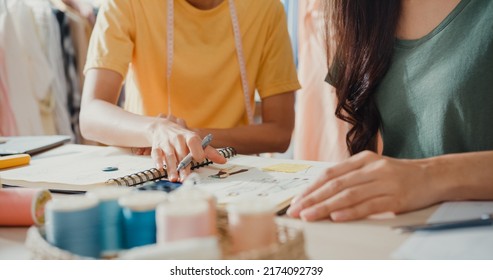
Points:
[(484, 220), (188, 159)]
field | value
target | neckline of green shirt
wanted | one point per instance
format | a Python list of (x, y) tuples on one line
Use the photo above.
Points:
[(400, 43)]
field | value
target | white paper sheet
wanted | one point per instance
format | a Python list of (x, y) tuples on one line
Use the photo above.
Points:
[(474, 243)]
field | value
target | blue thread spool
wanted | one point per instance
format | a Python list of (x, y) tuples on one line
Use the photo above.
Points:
[(110, 214), (72, 224), (139, 217)]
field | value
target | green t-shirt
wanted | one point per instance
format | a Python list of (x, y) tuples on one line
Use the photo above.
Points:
[(437, 96)]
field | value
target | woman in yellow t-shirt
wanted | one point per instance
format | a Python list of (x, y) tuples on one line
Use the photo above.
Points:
[(198, 62)]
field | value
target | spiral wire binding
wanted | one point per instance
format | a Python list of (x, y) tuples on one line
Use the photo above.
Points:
[(156, 174)]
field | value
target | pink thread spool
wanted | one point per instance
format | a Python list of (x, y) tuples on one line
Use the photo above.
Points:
[(194, 193), (251, 225), (23, 206), (182, 219)]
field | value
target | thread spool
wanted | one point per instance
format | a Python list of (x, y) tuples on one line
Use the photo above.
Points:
[(191, 192), (110, 215), (73, 224), (182, 219), (23, 206), (139, 217), (251, 225)]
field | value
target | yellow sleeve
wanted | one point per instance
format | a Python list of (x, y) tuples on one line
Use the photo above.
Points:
[(277, 73), (111, 45)]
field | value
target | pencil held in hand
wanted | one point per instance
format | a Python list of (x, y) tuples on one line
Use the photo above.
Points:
[(188, 159)]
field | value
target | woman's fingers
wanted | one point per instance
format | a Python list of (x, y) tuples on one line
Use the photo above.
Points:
[(182, 123), (141, 151), (353, 163), (146, 152), (214, 156), (194, 144), (372, 206), (341, 187), (181, 148), (344, 199), (171, 163), (170, 118), (335, 179), (175, 142), (164, 156), (157, 156)]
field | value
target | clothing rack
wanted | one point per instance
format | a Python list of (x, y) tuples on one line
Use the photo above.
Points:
[(43, 45)]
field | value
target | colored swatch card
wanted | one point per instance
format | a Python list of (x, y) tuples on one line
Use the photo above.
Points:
[(287, 167)]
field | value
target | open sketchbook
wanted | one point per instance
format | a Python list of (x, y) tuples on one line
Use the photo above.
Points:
[(240, 178), (82, 171)]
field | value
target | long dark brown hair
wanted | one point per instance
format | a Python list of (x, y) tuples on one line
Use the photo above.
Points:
[(360, 41)]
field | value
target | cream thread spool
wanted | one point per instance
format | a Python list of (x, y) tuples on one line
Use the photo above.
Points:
[(182, 219), (192, 192), (251, 225)]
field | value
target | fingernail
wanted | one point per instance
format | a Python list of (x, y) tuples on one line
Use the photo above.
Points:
[(173, 177), (308, 214), (338, 216), (295, 199), (291, 211)]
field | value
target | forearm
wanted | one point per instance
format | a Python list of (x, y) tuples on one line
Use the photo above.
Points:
[(106, 123), (272, 135), (465, 176), (253, 139)]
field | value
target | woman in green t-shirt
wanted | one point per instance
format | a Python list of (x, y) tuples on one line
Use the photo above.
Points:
[(421, 73)]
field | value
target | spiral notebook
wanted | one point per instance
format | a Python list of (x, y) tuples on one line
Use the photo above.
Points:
[(82, 171), (153, 174)]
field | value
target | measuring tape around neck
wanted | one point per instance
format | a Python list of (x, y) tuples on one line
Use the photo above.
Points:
[(239, 53)]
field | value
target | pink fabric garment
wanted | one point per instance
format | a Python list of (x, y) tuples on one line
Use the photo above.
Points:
[(8, 125), (319, 134)]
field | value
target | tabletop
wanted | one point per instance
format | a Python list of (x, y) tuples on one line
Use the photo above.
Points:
[(364, 240)]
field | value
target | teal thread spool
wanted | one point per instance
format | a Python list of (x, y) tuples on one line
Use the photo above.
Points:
[(73, 224), (139, 217), (111, 217)]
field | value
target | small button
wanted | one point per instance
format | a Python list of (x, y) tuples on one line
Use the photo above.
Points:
[(110, 168)]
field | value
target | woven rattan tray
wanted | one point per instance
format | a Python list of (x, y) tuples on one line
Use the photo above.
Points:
[(290, 245)]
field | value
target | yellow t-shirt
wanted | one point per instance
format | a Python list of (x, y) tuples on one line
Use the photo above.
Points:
[(206, 89)]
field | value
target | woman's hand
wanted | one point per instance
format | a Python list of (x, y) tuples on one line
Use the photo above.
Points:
[(366, 184), (147, 150), (172, 141)]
